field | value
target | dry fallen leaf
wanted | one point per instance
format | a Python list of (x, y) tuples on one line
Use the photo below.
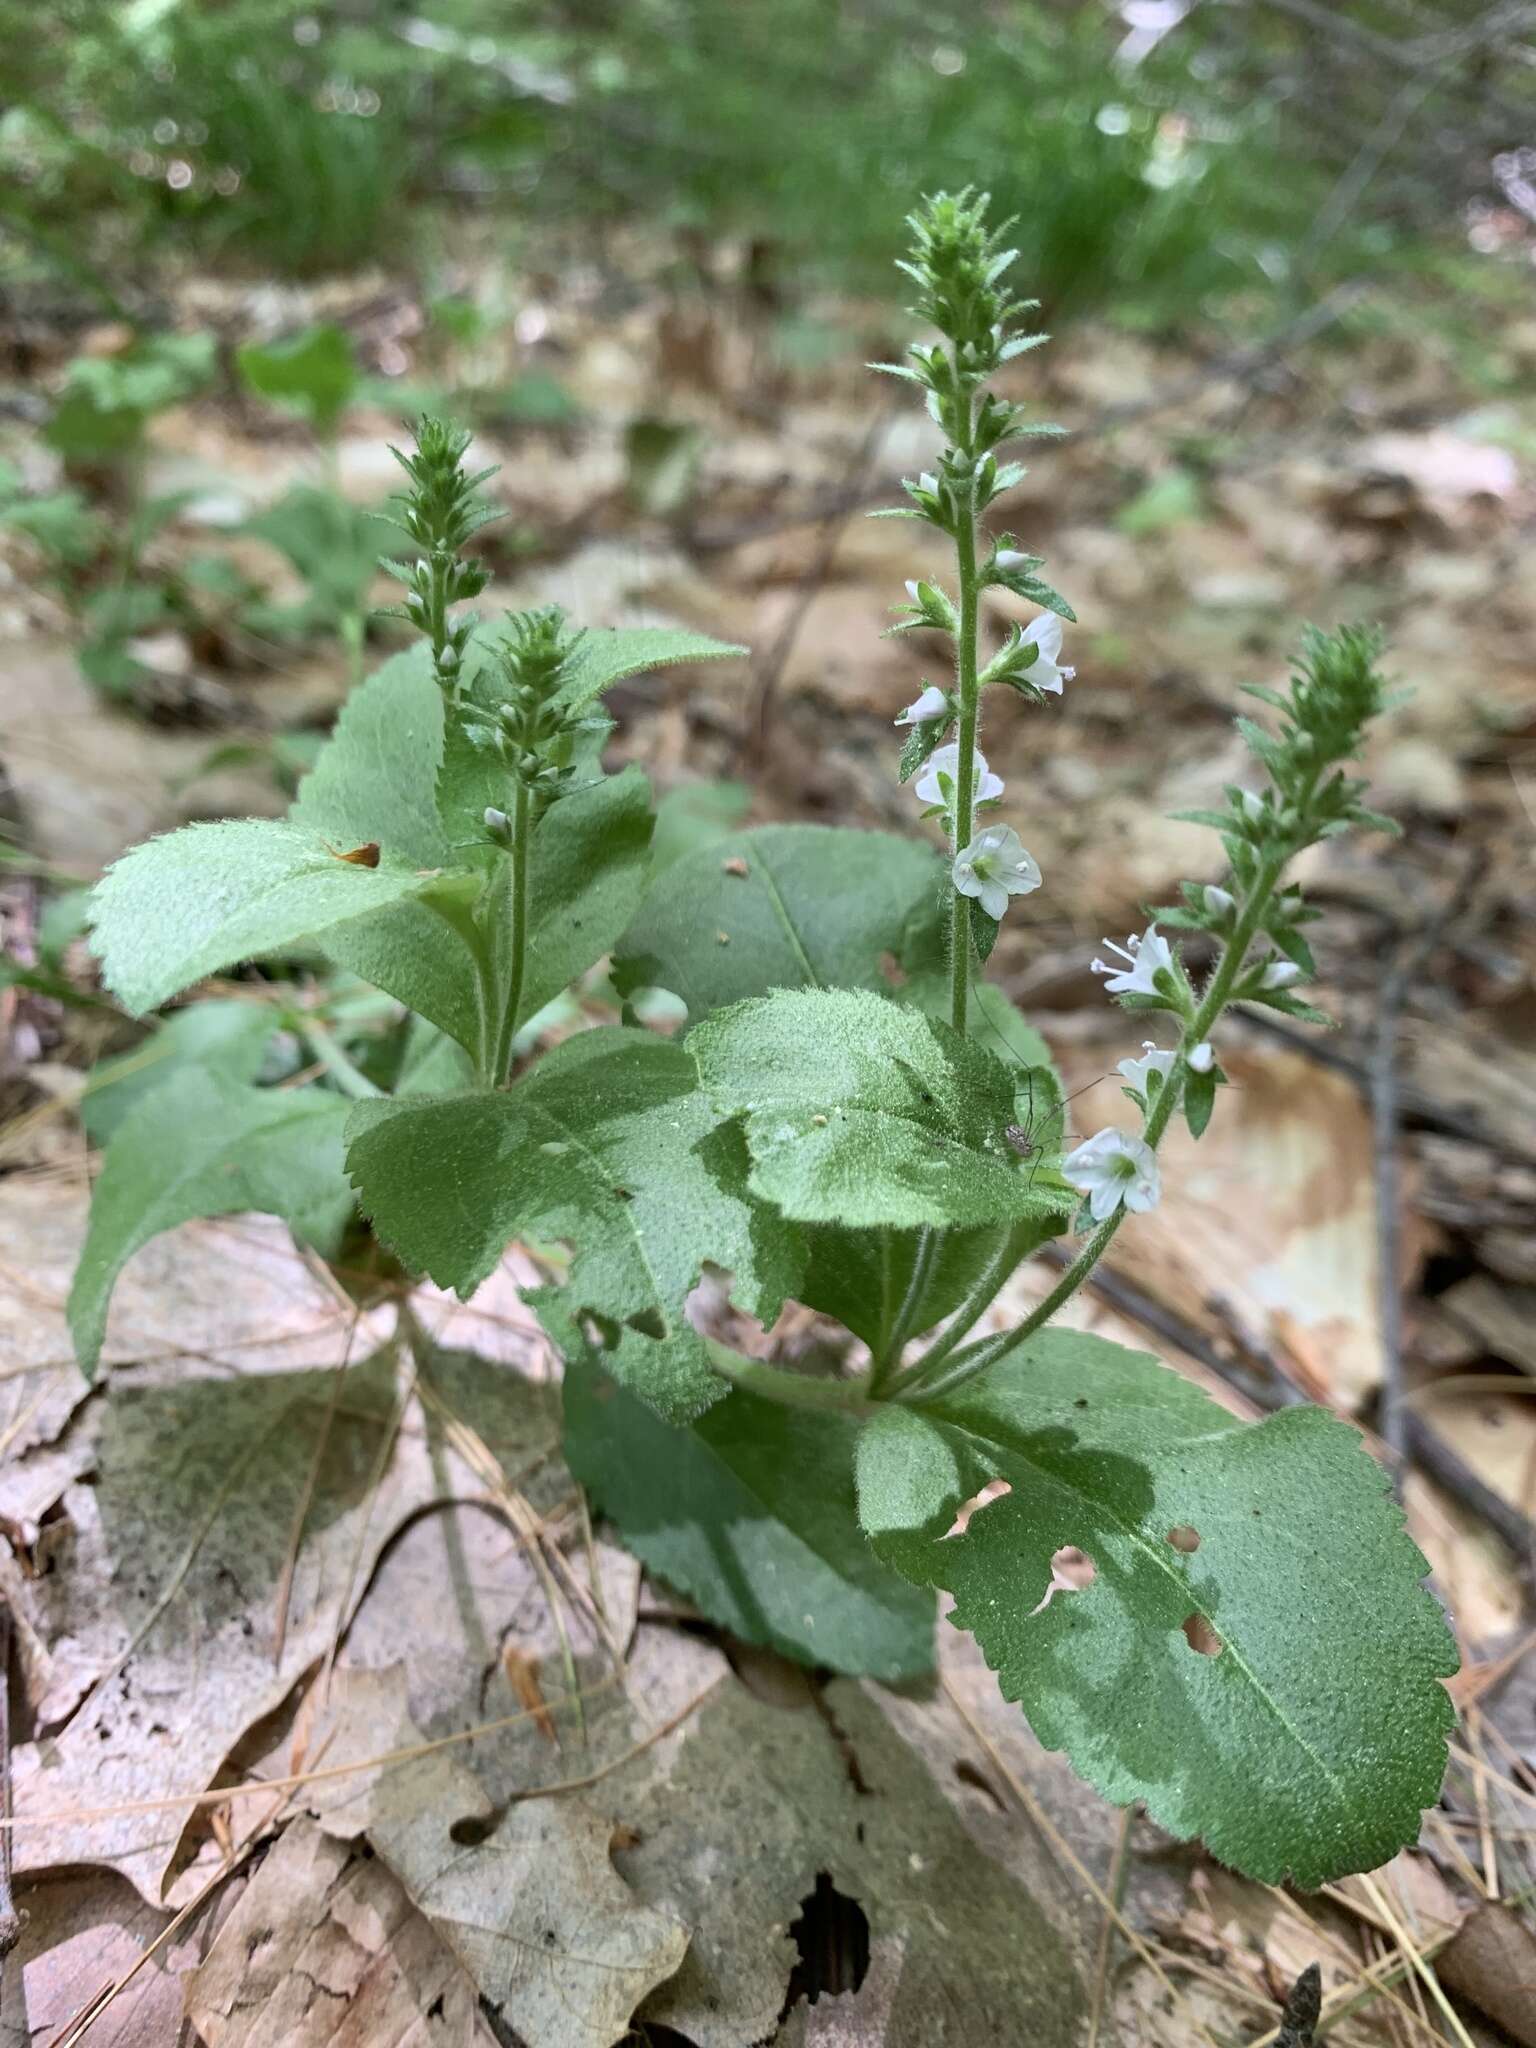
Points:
[(557, 1944), (324, 1949), (161, 1622)]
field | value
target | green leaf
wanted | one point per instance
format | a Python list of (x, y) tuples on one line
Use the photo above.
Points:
[(750, 1511), (608, 1145), (589, 861), (209, 896), (859, 1111), (1199, 1101), (785, 906), (206, 1145), (607, 655), (1308, 1744), (696, 815), (226, 1037), (376, 777), (313, 373)]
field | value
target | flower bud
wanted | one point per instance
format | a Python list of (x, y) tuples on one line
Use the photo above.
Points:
[(1218, 902), (1201, 1058), (1280, 974)]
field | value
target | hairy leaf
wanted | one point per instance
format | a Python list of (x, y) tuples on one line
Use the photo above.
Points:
[(606, 1144), (376, 777), (209, 896), (1256, 1657), (785, 906), (208, 1146), (606, 656), (750, 1510), (860, 1111), (588, 865)]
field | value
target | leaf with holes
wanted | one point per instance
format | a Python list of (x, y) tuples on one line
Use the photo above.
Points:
[(607, 1144), (862, 1111), (202, 1144), (750, 1511), (786, 906), (1256, 1658)]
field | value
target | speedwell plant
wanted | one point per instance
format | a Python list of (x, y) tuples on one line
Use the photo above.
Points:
[(1256, 1658)]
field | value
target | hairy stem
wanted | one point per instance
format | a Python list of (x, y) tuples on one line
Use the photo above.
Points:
[(979, 1357), (512, 1001), (965, 765), (789, 1389), (930, 1239), (984, 1290)]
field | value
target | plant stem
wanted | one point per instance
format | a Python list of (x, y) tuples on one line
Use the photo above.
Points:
[(984, 1290), (970, 719), (350, 1079), (930, 1238), (981, 1356), (517, 853), (788, 1389)]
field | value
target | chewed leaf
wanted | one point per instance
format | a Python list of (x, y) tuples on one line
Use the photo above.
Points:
[(862, 1111), (1256, 1656), (609, 1146)]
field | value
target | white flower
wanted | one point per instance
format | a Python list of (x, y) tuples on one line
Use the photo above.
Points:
[(1253, 807), (994, 867), (913, 592), (929, 705), (1218, 902), (928, 482), (1201, 1058), (1113, 1167), (1143, 957), (1009, 558), (1280, 974), (1139, 1072), (946, 761), (1044, 672)]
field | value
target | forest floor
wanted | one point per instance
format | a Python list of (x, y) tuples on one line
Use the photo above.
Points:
[(265, 1584)]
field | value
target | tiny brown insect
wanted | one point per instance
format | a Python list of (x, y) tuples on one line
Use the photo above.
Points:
[(365, 856), (735, 865)]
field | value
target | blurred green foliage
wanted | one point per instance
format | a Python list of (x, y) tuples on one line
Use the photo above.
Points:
[(303, 136)]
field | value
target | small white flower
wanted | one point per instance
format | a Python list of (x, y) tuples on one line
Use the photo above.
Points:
[(1142, 956), (1218, 902), (912, 590), (496, 821), (928, 482), (1045, 672), (946, 761), (1253, 807), (994, 867), (1201, 1058), (1138, 1072), (921, 709), (1280, 974), (1113, 1167), (1009, 558)]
